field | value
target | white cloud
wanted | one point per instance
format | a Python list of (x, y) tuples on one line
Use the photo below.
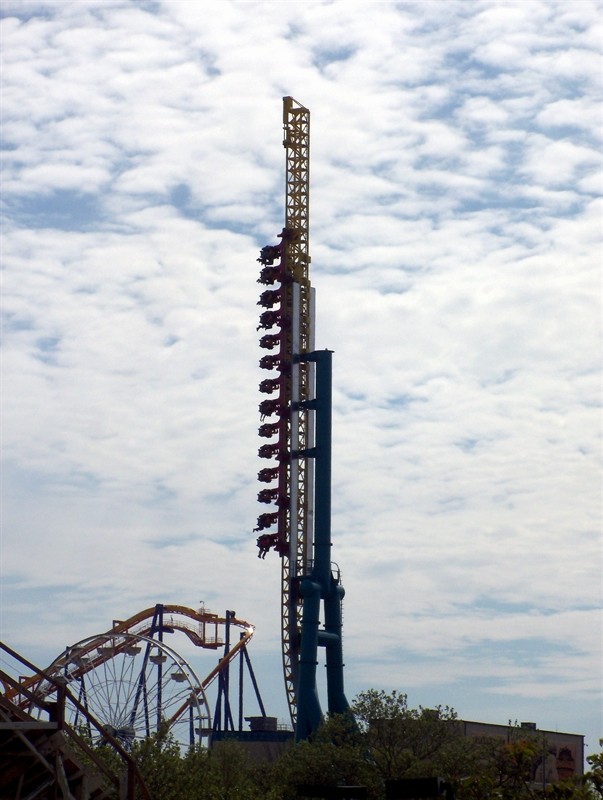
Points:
[(558, 163), (455, 237)]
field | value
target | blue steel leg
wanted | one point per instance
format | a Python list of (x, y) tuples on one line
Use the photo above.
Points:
[(337, 701), (321, 572), (320, 585), (309, 713)]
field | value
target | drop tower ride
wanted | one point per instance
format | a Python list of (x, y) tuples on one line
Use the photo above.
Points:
[(296, 421)]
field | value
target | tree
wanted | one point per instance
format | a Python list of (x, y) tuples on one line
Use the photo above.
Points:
[(336, 754), (160, 763), (595, 775), (222, 773), (515, 763), (231, 773), (404, 742), (382, 739)]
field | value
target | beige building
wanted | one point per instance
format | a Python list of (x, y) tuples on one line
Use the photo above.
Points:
[(562, 753)]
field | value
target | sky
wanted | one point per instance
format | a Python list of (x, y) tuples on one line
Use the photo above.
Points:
[(455, 234)]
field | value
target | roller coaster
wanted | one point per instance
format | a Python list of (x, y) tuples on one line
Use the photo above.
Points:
[(136, 684), (298, 410)]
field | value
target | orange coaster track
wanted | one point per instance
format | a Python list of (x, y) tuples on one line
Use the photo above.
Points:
[(202, 627)]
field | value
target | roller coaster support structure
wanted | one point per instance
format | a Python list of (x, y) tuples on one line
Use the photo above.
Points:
[(296, 421), (320, 583)]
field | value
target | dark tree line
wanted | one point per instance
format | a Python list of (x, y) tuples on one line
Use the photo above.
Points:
[(384, 739)]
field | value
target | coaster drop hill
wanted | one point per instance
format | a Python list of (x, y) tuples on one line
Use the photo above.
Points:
[(296, 422)]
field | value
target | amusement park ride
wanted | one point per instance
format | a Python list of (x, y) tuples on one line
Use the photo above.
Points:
[(135, 684), (299, 432), (127, 682)]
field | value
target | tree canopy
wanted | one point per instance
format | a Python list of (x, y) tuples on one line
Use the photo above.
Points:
[(381, 739)]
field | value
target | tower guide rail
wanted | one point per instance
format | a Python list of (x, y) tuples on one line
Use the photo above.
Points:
[(296, 419)]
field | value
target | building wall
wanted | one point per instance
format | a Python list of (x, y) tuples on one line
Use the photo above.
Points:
[(260, 746), (563, 753)]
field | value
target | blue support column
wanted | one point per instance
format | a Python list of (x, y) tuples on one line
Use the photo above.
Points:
[(337, 701), (320, 584), (321, 572), (309, 713)]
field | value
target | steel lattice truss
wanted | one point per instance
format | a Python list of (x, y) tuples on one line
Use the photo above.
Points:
[(288, 318)]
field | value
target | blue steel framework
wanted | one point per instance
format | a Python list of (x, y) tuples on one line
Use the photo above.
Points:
[(298, 525)]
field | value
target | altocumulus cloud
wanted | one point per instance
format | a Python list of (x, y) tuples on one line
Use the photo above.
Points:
[(455, 234)]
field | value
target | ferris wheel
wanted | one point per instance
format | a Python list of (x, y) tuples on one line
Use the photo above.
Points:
[(135, 686)]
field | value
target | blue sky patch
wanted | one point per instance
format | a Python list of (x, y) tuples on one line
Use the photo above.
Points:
[(63, 209)]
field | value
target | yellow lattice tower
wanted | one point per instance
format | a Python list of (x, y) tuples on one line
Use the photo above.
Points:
[(296, 125)]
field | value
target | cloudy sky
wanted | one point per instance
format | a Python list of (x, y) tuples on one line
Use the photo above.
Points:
[(455, 239)]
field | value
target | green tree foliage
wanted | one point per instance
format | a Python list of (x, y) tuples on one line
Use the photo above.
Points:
[(595, 774), (161, 765), (405, 742), (335, 755), (223, 773), (515, 763), (383, 739), (504, 770)]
